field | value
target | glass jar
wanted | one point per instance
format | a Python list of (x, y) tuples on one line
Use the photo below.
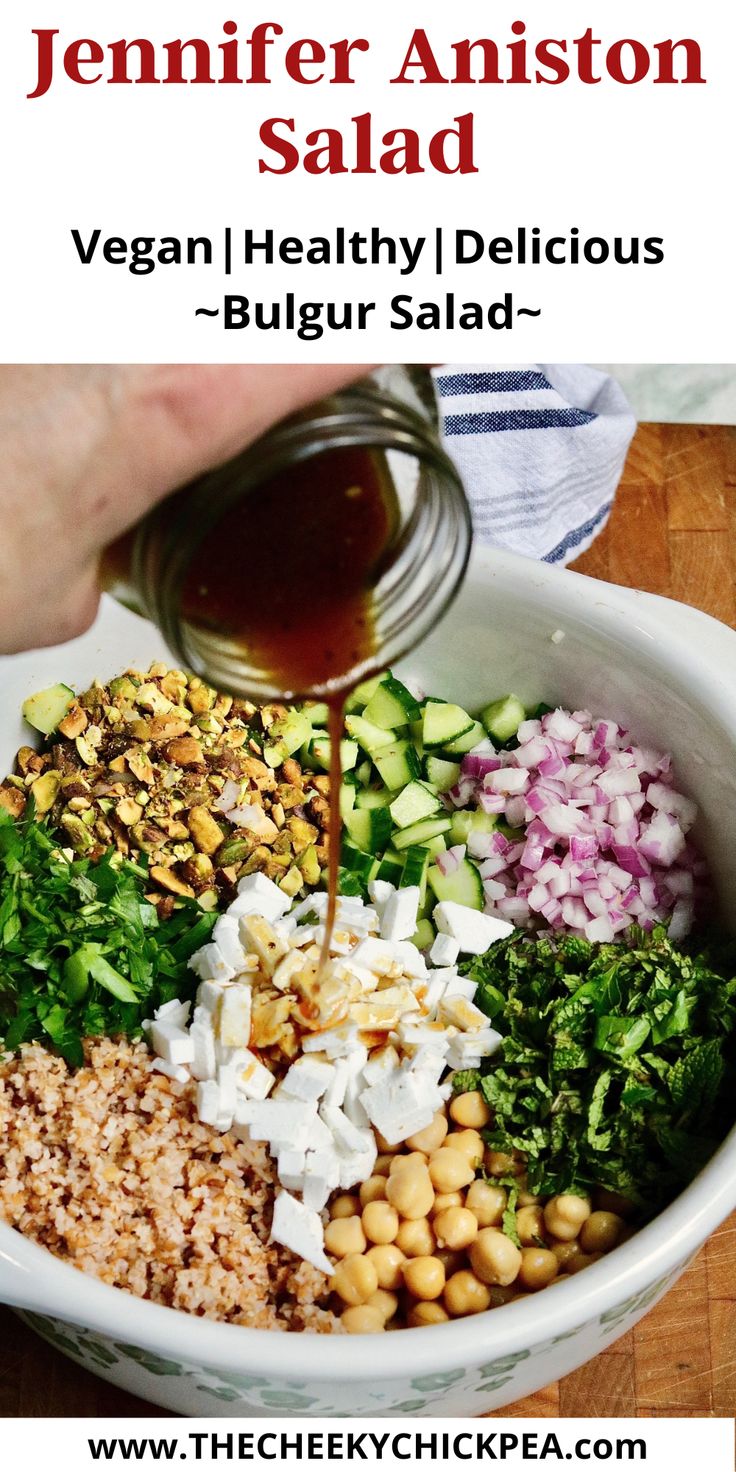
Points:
[(392, 417)]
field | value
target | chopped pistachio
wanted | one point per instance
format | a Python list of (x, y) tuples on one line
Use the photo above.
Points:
[(167, 879), (129, 812), (207, 834), (74, 723)]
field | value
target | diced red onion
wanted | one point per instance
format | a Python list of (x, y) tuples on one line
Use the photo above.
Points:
[(474, 765)]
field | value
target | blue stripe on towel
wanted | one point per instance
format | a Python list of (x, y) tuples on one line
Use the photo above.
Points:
[(508, 382), (574, 538), (513, 419)]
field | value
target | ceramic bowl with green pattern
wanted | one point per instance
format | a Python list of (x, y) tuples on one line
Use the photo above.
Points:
[(668, 674)]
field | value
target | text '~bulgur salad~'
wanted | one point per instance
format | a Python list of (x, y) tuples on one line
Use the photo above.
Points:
[(514, 1046)]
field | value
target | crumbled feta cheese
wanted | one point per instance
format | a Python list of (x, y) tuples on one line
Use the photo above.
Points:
[(473, 931), (258, 895), (210, 964), (399, 918), (175, 1071), (175, 1011), (226, 938), (307, 1079), (299, 1228), (171, 1043), (445, 950), (252, 1077), (234, 1019), (208, 1101), (203, 1039), (380, 892)]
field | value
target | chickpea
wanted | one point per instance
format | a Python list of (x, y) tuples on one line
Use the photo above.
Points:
[(399, 1162), (455, 1228), (416, 1238), (524, 1197), (530, 1225), (363, 1318), (469, 1143), (565, 1252), (387, 1260), (452, 1262), (382, 1165), (431, 1137), (354, 1280), (344, 1206), (380, 1222), (604, 1200), (383, 1145), (500, 1296), (345, 1236), (470, 1110), (450, 1170), (538, 1267), (424, 1277), (564, 1216), (386, 1303), (426, 1312), (465, 1294), (374, 1189), (446, 1199), (600, 1232), (410, 1190), (498, 1163), (582, 1260), (494, 1257), (487, 1203)]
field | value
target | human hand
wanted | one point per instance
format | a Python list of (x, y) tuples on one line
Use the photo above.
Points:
[(87, 450)]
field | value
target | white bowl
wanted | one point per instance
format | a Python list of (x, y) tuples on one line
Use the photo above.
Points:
[(666, 671)]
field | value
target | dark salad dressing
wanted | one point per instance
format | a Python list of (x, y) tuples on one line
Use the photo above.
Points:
[(288, 574)]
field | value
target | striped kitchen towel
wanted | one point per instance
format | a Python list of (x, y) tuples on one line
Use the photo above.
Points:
[(540, 448)]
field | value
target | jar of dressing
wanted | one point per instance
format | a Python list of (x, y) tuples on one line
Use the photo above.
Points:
[(319, 555)]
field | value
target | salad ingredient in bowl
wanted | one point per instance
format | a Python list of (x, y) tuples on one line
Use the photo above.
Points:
[(416, 1116)]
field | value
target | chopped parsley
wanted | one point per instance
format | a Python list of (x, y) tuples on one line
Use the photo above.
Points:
[(82, 951), (618, 1062)]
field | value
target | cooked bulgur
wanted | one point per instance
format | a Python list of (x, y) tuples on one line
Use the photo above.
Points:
[(110, 1169)]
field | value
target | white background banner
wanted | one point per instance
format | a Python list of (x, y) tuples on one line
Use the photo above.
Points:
[(575, 161), (659, 1446)]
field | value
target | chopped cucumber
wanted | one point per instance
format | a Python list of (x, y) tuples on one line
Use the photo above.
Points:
[(398, 764), (417, 801), (416, 864), (369, 828), (424, 935), (464, 885), (362, 693), (463, 823), (442, 774), (443, 724), (391, 868), (436, 845), (350, 883), (363, 773), (356, 861), (286, 736), (503, 717), (420, 832), (392, 705), (347, 799), (369, 798), (371, 737), (467, 741), (318, 712), (46, 708), (319, 752)]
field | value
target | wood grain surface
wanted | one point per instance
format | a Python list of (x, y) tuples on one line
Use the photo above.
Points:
[(673, 531)]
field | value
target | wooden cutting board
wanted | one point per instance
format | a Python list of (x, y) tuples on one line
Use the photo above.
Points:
[(673, 531)]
